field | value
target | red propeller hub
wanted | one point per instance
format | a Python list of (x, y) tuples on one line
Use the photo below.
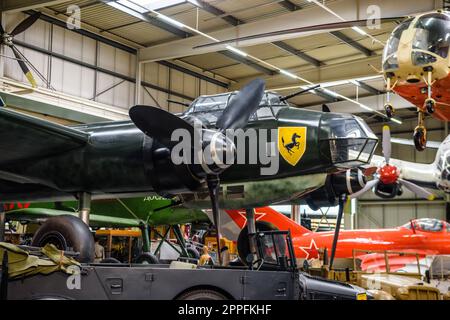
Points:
[(389, 174)]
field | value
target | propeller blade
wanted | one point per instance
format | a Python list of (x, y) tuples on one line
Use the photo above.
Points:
[(421, 192), (2, 31), (213, 183), (369, 185), (242, 106), (25, 24), (24, 67), (387, 144), (320, 27), (158, 123)]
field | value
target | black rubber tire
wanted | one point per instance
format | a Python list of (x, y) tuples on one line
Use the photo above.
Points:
[(193, 253), (202, 294), (67, 233), (430, 106), (147, 258), (390, 112), (110, 260), (419, 139)]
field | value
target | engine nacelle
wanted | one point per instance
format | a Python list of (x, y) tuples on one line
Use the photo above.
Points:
[(347, 182)]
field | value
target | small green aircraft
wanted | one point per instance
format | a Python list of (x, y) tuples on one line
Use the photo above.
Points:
[(113, 213), (143, 213)]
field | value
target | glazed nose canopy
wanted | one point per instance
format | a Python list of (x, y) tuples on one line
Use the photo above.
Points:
[(432, 36), (348, 138), (390, 61)]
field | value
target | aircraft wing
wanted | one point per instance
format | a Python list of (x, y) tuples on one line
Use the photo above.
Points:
[(95, 220), (375, 262), (25, 137)]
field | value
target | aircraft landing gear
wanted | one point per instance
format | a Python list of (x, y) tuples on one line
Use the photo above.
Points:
[(420, 134), (388, 108), (430, 105)]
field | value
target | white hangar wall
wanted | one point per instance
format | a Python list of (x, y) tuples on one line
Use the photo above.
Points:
[(73, 77)]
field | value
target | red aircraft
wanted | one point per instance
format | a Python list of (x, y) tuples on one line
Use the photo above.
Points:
[(426, 237)]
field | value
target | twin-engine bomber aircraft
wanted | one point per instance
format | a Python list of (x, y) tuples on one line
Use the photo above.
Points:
[(43, 161)]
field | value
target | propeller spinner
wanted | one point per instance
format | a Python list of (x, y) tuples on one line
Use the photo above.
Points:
[(390, 176)]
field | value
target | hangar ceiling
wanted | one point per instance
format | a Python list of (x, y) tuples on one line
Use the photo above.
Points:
[(324, 57)]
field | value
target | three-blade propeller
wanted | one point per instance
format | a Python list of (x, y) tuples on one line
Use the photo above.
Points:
[(388, 174), (7, 40), (160, 125)]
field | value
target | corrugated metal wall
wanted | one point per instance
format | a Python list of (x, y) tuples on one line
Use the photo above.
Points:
[(175, 81), (81, 81)]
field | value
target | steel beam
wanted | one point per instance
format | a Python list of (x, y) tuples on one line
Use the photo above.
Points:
[(289, 5), (325, 95), (168, 91), (284, 46), (194, 74), (348, 9), (352, 43), (234, 22), (216, 11), (22, 5), (115, 74), (368, 88), (152, 20), (85, 33), (249, 63)]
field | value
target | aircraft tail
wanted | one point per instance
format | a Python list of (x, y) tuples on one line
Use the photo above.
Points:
[(271, 216)]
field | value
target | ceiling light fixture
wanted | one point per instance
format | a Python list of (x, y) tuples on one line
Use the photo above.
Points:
[(170, 20), (287, 73), (356, 29), (237, 51)]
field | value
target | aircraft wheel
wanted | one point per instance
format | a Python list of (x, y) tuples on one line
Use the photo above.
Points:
[(390, 111), (67, 233), (202, 294), (420, 138), (430, 105), (147, 258)]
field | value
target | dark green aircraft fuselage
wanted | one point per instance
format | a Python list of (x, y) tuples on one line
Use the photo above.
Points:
[(118, 160)]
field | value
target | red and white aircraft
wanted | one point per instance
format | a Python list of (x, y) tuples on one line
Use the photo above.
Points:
[(426, 237)]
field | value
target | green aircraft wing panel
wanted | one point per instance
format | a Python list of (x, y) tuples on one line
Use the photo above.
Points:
[(33, 214), (25, 137)]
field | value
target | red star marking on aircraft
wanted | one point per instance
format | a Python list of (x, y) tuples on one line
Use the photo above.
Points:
[(241, 220), (312, 251)]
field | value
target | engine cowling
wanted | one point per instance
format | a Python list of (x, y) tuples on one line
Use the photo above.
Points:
[(347, 182)]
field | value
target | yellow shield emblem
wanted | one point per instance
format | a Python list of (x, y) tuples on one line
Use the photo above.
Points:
[(292, 143)]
